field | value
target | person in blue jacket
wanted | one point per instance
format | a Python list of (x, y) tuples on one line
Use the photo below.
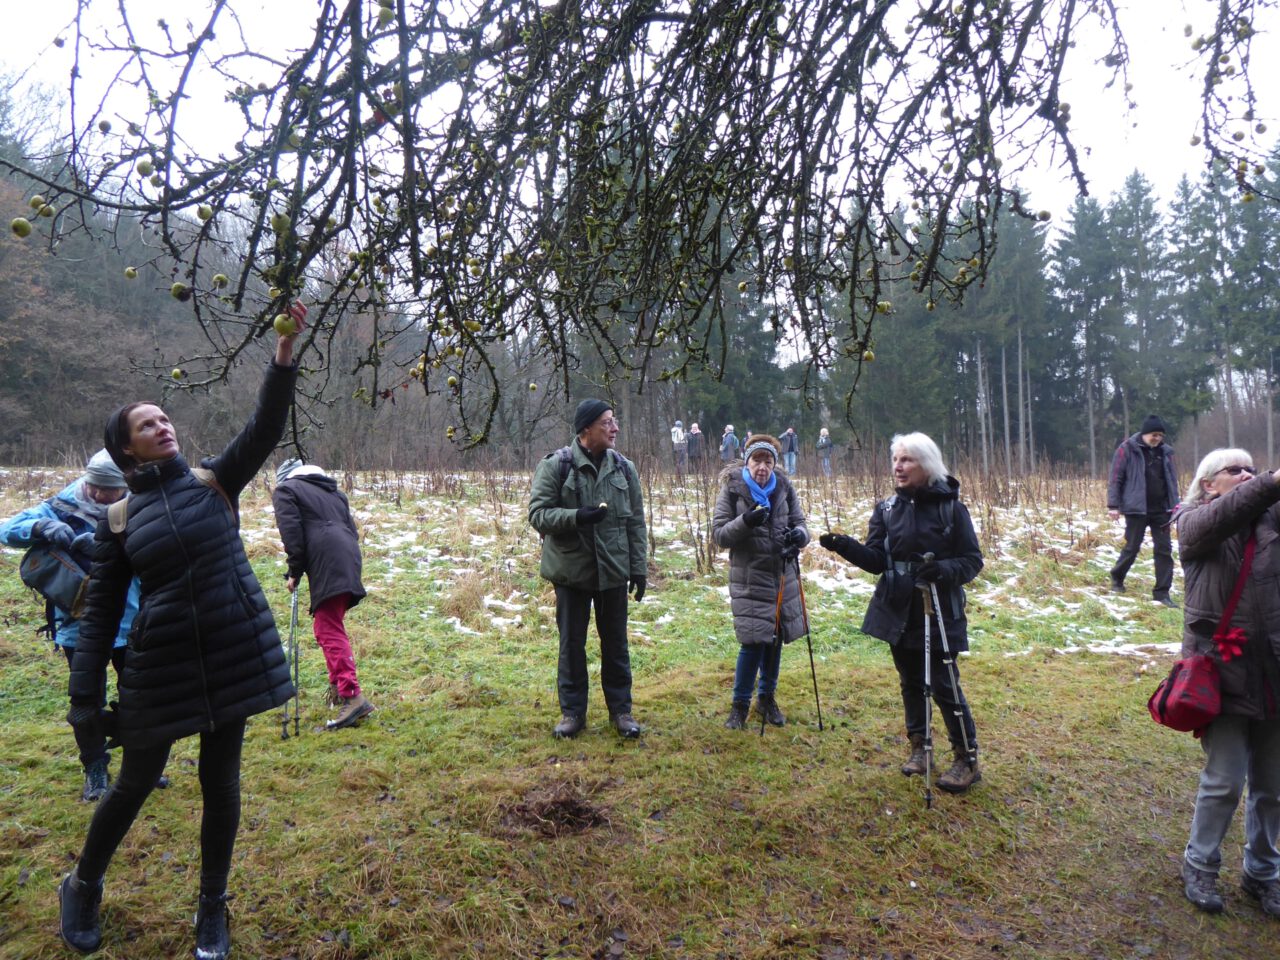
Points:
[(68, 520)]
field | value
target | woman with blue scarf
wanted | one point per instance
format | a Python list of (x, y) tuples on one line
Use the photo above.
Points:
[(759, 519)]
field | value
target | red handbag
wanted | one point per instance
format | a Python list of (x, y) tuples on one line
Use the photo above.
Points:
[(1190, 698)]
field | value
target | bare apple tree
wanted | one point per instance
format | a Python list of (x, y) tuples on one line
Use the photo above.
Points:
[(590, 172)]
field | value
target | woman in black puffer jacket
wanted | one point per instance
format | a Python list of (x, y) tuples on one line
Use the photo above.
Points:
[(758, 517), (204, 654), (923, 517)]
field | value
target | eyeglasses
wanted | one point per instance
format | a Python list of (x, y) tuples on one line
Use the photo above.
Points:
[(1237, 469)]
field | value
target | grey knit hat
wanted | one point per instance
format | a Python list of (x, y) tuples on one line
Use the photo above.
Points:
[(102, 471), (286, 468)]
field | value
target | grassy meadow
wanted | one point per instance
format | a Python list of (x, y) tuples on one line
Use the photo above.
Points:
[(451, 824)]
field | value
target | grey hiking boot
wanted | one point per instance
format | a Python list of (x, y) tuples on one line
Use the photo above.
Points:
[(213, 928), (570, 726), (1266, 892), (626, 725), (962, 774), (1201, 888), (738, 715), (96, 781), (916, 763), (767, 707), (78, 904), (353, 709)]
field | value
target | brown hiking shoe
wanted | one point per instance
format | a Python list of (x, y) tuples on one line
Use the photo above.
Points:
[(916, 763), (768, 708), (961, 776), (570, 725), (353, 709), (626, 725)]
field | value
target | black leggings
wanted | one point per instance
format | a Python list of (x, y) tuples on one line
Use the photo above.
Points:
[(219, 786)]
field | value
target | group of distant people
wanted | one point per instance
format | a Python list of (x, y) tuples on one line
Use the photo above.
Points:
[(690, 447)]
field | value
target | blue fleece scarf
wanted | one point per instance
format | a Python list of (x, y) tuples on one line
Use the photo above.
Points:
[(758, 493)]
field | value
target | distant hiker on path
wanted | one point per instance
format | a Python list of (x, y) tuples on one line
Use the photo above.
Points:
[(697, 444), (1227, 511), (728, 445), (321, 540), (922, 536), (759, 519), (790, 447), (587, 503), (824, 451), (680, 446), (68, 520), (1143, 486), (204, 655)]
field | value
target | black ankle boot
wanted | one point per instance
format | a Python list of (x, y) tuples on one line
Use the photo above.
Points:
[(213, 928), (78, 913)]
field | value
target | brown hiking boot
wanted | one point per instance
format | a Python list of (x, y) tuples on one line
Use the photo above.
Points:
[(768, 708), (962, 774), (626, 725), (738, 715), (353, 709), (570, 725), (917, 762)]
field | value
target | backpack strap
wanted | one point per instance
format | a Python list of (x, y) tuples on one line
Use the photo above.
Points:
[(118, 512)]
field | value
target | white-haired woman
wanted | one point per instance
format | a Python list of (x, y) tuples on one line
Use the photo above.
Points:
[(1226, 511), (922, 536)]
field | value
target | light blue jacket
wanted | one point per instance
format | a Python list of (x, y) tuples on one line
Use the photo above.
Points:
[(16, 532)]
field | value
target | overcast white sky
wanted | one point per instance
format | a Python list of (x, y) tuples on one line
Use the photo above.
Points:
[(1154, 139)]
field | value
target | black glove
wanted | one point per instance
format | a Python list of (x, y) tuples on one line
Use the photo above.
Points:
[(590, 515), (836, 542), (795, 537), (929, 572), (55, 532), (83, 544), (638, 585), (756, 517), (789, 553)]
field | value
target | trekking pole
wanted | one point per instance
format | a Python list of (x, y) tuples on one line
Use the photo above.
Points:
[(808, 639), (776, 644), (949, 662), (292, 653), (928, 708)]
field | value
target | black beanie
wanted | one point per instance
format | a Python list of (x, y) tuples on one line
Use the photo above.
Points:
[(588, 412), (1153, 424)]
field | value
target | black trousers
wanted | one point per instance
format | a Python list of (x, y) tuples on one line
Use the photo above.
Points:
[(219, 787), (1135, 527), (950, 698), (573, 614), (91, 742)]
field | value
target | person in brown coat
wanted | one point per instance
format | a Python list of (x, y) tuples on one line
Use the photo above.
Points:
[(758, 517), (1226, 507)]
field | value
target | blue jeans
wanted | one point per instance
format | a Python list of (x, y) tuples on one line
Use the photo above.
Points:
[(756, 658), (789, 462), (1238, 751)]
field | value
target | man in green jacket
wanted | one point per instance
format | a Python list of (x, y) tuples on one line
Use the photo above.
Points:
[(587, 504)]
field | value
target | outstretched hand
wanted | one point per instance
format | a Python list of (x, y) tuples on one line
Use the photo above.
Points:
[(284, 338), (836, 542)]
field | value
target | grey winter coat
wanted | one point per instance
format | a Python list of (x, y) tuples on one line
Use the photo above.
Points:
[(319, 536), (1211, 539), (1127, 483), (754, 561)]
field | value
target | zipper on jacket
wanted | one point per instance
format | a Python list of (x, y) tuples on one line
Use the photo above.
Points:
[(195, 620)]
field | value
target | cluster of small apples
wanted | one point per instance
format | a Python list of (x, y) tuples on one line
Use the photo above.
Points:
[(21, 226)]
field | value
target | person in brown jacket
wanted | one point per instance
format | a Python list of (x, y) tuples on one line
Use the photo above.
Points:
[(1225, 507)]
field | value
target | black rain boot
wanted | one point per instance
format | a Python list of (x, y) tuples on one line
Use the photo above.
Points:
[(213, 928), (78, 904)]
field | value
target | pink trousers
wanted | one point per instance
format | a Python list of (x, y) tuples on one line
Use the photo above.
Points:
[(331, 634)]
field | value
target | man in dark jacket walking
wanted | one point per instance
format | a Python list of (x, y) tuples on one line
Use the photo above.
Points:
[(587, 504), (1143, 486), (321, 540)]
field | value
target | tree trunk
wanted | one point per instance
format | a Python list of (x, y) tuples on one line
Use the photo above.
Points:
[(1093, 432), (982, 419), (1022, 407), (1004, 407)]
